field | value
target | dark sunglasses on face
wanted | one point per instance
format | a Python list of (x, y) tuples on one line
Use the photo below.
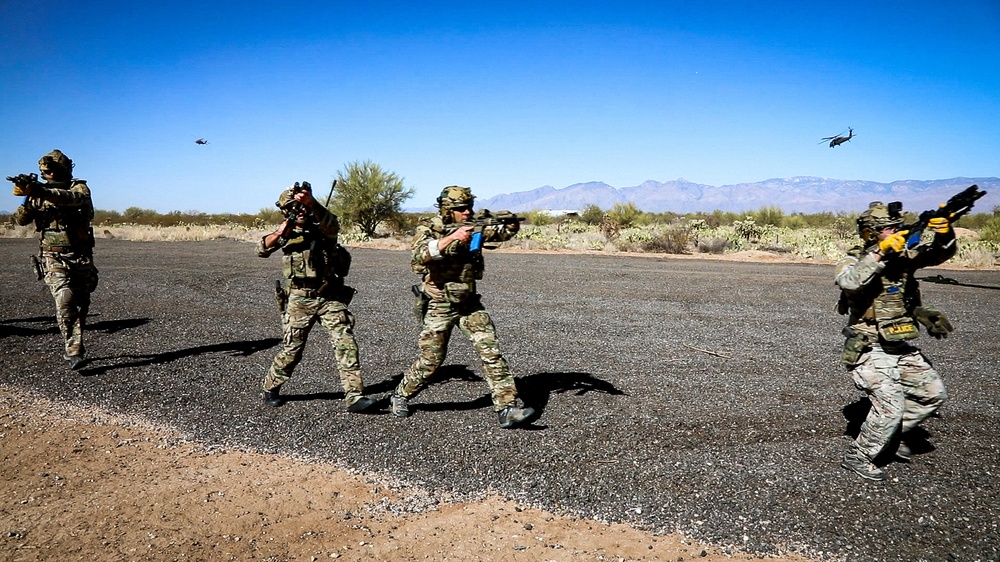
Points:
[(463, 209)]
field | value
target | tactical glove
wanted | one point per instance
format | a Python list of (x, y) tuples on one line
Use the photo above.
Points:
[(939, 225), (894, 243), (934, 320)]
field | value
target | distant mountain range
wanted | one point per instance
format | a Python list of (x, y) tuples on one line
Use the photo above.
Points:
[(792, 195)]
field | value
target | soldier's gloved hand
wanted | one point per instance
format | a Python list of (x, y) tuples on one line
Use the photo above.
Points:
[(934, 320), (20, 190), (939, 225), (892, 244)]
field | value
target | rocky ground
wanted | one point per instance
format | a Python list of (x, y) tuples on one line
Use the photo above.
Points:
[(676, 395)]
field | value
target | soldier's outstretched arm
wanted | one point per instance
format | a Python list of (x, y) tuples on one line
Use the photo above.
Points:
[(853, 274), (77, 195)]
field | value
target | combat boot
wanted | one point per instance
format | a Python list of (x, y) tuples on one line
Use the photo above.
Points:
[(75, 361), (361, 404), (903, 452), (399, 405), (512, 416), (273, 398), (862, 465)]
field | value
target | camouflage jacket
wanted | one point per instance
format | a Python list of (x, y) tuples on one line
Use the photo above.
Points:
[(311, 251), (875, 291), (454, 267), (62, 213)]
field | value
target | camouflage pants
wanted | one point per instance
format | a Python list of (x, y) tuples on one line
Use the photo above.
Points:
[(301, 313), (475, 322), (903, 388), (70, 279)]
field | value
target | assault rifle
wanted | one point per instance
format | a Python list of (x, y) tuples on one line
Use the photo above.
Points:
[(21, 181), (478, 224), (956, 207), (291, 210)]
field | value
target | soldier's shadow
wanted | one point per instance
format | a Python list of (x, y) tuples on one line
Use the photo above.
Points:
[(11, 328), (855, 414), (239, 348), (536, 390), (443, 375)]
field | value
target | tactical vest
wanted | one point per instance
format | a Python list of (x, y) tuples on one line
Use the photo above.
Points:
[(64, 228), (458, 264), (309, 255), (887, 302)]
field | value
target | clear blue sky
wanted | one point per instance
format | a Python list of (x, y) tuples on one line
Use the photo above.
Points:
[(500, 97)]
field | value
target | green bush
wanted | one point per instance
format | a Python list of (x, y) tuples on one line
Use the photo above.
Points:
[(768, 215), (538, 218), (624, 214), (592, 214)]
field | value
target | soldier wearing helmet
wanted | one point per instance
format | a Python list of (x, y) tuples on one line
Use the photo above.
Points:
[(450, 267), (314, 267), (881, 298), (62, 211)]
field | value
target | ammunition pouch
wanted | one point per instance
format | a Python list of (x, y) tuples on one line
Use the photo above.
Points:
[(458, 293), (341, 260), (934, 320), (856, 345)]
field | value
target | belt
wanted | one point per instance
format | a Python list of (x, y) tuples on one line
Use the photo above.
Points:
[(305, 292), (320, 289)]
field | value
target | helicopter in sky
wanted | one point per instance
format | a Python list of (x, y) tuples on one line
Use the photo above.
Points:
[(840, 139), (201, 141)]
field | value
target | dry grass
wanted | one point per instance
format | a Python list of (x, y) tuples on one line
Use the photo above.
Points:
[(805, 244)]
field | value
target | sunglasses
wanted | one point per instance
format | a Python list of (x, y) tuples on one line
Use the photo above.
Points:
[(462, 209)]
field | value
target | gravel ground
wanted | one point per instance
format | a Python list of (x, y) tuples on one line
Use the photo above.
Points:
[(676, 394)]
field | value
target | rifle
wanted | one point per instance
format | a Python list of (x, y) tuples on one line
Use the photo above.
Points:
[(21, 181), (293, 208), (478, 224), (956, 207)]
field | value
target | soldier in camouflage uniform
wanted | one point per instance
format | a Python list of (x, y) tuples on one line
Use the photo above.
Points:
[(62, 211), (315, 266), (882, 298), (442, 255)]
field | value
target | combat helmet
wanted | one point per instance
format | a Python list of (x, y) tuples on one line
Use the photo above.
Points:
[(879, 216), (56, 163), (453, 197), (286, 201)]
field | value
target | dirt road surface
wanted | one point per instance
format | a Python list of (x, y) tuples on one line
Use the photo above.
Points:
[(686, 396)]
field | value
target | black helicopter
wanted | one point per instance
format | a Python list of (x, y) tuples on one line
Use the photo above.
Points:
[(840, 139), (201, 141)]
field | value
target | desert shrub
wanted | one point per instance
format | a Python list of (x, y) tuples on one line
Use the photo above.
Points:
[(794, 222), (713, 245), (768, 215), (844, 228), (610, 229), (625, 214), (592, 214), (991, 233), (538, 218), (671, 240), (979, 221), (748, 229), (575, 227)]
